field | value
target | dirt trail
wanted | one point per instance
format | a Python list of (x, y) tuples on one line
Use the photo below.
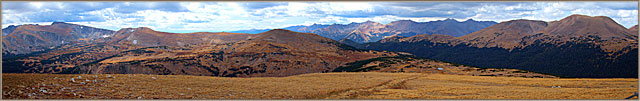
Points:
[(354, 93)]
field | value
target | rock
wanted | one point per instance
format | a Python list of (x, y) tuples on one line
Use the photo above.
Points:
[(73, 80), (153, 77), (79, 77), (82, 83)]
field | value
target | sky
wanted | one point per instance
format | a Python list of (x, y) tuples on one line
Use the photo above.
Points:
[(230, 16)]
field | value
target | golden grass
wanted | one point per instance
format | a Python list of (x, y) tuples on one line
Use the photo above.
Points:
[(364, 85), (438, 86), (132, 86)]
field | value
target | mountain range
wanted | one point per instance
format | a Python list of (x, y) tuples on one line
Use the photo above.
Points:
[(370, 31), (30, 38), (272, 53), (277, 52), (576, 46)]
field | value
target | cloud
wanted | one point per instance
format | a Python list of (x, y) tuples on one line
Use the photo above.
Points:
[(76, 7), (79, 7), (131, 7), (261, 5), (13, 7), (620, 5), (229, 16)]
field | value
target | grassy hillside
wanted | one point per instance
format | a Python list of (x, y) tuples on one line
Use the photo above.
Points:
[(357, 85)]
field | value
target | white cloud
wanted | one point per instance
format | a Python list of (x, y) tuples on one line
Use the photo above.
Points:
[(551, 11), (228, 16)]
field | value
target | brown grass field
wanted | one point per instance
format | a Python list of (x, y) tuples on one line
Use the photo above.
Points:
[(362, 85)]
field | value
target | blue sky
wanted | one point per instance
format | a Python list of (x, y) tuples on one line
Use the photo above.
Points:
[(229, 16)]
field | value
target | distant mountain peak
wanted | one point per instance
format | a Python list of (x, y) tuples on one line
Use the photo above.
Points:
[(403, 21), (64, 24), (279, 30), (634, 27), (470, 20), (577, 18), (524, 21), (583, 25), (9, 29), (144, 28), (366, 22), (138, 29), (369, 21), (580, 15), (317, 25), (55, 23), (450, 19)]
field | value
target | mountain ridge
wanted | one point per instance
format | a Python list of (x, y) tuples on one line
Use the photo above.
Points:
[(145, 36), (558, 47), (370, 31), (45, 36)]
